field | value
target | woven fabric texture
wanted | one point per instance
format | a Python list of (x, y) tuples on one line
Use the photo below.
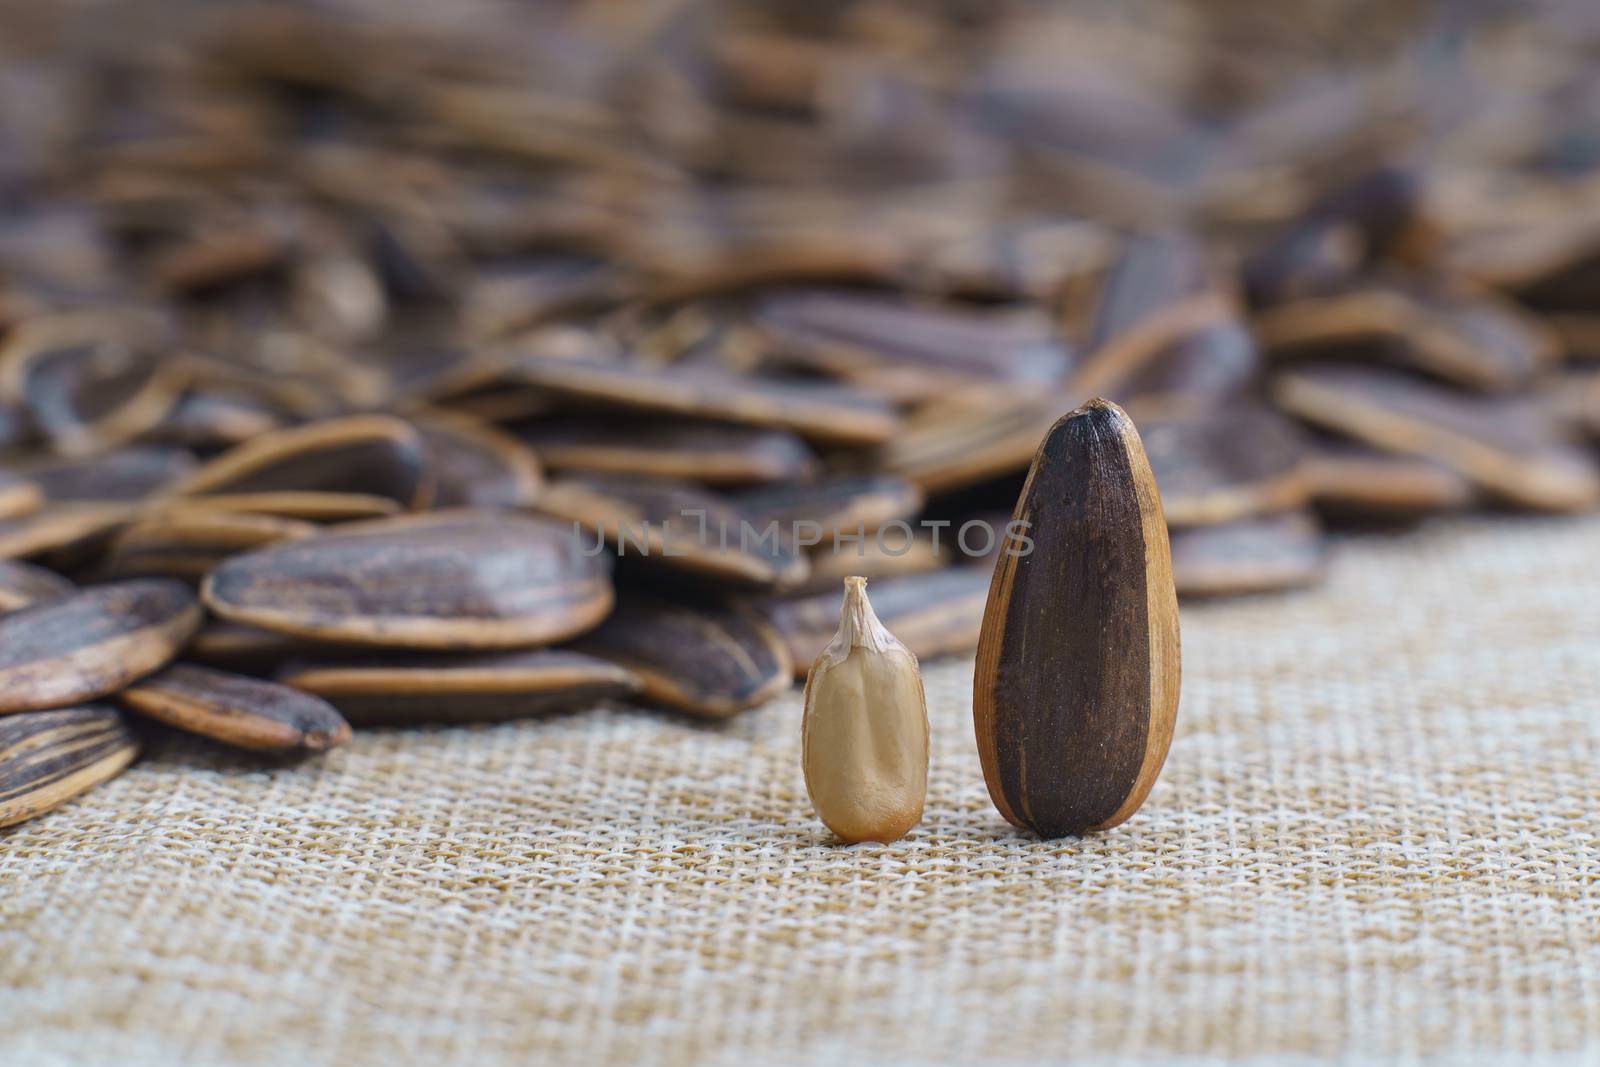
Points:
[(1377, 839)]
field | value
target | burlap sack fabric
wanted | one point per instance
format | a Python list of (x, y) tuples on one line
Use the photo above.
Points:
[(1377, 840)]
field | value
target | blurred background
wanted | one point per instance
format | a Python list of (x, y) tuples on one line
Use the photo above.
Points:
[(1338, 260)]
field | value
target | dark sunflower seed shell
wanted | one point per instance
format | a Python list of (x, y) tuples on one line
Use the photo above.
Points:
[(91, 643), (1508, 447), (374, 455), (237, 710), (677, 526), (823, 413), (49, 757), (488, 687), (1076, 687), (18, 496), (22, 584), (1258, 555), (449, 580), (698, 451), (714, 663), (1230, 464), (476, 465)]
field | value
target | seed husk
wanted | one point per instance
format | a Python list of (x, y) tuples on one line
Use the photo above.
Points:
[(1466, 338), (125, 475), (476, 465), (1161, 322), (864, 736), (1233, 463), (672, 449), (677, 526), (983, 438), (49, 757), (934, 614), (185, 543), (1256, 555), (847, 502), (243, 649), (93, 642), (458, 688), (237, 710), (22, 584), (69, 531), (1348, 479), (18, 495), (310, 506), (1076, 687), (1505, 446), (709, 662), (211, 419), (446, 580), (90, 380), (374, 455), (822, 413), (905, 350)]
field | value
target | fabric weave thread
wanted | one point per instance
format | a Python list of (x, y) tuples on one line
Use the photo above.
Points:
[(1377, 839)]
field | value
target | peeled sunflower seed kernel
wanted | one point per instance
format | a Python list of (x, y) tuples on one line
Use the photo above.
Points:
[(864, 738)]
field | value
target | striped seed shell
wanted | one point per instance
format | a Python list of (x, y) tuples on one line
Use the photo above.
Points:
[(453, 688), (22, 584), (448, 580), (237, 710), (91, 643), (376, 455), (1076, 687), (49, 757), (708, 662)]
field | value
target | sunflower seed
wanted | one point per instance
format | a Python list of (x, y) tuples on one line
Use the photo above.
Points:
[(673, 449), (91, 643), (1250, 556), (1233, 463), (368, 454), (448, 580), (22, 584), (49, 757), (677, 527), (1505, 446), (237, 710), (1076, 688), (483, 687), (476, 465), (706, 662)]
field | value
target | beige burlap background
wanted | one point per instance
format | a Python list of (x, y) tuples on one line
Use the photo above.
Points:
[(1376, 839)]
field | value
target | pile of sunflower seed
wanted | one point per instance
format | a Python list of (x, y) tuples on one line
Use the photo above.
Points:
[(401, 363)]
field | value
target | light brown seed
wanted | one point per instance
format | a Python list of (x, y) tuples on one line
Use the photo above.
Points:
[(864, 735), (91, 643), (49, 757), (237, 710), (1076, 687)]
